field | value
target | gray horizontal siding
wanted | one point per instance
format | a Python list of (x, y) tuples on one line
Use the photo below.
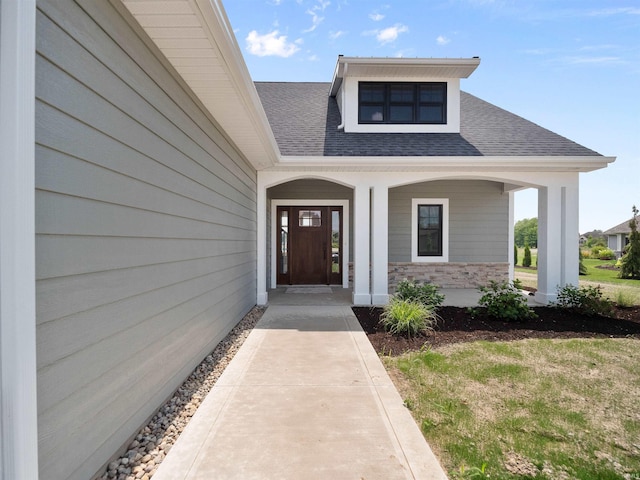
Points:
[(146, 234), (478, 219)]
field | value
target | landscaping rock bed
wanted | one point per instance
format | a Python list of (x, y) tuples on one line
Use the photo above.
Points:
[(154, 441)]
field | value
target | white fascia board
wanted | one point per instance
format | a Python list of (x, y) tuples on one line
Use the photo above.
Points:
[(388, 163), (238, 111), (219, 28)]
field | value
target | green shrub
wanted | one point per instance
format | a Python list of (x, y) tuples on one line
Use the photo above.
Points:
[(526, 260), (408, 317), (505, 301), (515, 255), (582, 269), (586, 300), (606, 254), (425, 293), (630, 262), (595, 250)]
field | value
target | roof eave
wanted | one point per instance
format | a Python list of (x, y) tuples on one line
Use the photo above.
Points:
[(479, 163), (403, 67), (232, 99)]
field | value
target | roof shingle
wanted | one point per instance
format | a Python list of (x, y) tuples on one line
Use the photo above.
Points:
[(305, 120)]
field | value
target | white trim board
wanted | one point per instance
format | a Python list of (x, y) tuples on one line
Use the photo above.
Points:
[(18, 392)]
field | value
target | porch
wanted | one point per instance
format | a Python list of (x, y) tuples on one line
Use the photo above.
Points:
[(337, 296), (374, 242)]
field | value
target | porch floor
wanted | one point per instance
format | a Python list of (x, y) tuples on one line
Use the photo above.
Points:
[(453, 297)]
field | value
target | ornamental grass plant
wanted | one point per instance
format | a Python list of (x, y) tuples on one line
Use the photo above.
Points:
[(408, 317)]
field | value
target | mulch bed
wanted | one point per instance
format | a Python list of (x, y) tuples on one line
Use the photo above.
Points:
[(458, 325)]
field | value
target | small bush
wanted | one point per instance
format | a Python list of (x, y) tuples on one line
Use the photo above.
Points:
[(624, 299), (425, 293), (585, 300), (408, 317), (526, 260), (595, 250), (505, 301), (606, 254), (515, 255)]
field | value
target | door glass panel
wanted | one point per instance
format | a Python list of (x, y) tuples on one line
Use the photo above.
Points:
[(335, 241), (284, 240), (310, 218)]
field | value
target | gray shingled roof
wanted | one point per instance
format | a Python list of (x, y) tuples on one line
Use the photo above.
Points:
[(304, 120), (622, 228)]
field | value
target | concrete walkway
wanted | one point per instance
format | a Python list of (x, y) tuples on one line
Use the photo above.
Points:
[(306, 397)]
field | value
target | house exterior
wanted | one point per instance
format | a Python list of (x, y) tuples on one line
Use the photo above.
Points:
[(151, 194), (618, 237)]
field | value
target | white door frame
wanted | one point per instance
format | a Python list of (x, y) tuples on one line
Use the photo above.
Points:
[(275, 203)]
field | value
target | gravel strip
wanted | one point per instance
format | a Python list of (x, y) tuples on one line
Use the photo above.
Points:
[(154, 441)]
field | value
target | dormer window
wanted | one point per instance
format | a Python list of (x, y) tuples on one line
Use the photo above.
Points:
[(402, 103)]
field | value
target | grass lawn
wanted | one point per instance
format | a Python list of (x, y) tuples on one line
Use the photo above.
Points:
[(540, 409), (612, 286)]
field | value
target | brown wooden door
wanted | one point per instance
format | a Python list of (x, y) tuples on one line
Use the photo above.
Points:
[(309, 246), (309, 240)]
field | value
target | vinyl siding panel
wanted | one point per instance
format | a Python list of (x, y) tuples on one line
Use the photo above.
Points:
[(478, 219), (146, 234)]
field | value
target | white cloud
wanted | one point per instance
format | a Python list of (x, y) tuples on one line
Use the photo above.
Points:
[(315, 21), (270, 44), (335, 35), (376, 17), (390, 34), (315, 11), (615, 11), (582, 60), (442, 40)]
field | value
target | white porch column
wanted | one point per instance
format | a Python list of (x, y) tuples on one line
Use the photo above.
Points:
[(511, 242), (570, 235), (380, 245), (557, 239), (18, 395), (262, 297), (361, 199)]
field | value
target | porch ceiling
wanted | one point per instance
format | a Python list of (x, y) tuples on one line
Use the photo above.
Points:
[(196, 38)]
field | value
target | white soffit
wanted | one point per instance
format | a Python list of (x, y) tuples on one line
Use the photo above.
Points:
[(197, 39)]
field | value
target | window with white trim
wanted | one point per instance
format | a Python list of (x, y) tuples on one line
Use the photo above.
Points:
[(402, 102), (430, 230)]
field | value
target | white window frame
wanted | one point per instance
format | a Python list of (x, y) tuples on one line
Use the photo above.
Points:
[(414, 230)]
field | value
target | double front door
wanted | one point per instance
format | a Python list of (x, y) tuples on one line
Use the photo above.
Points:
[(309, 245)]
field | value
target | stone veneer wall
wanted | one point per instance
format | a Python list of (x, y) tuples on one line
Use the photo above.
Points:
[(448, 275), (445, 275)]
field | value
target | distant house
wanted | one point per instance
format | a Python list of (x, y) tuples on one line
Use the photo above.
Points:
[(151, 194), (618, 237)]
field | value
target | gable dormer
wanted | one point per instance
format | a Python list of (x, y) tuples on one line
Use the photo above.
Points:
[(400, 95)]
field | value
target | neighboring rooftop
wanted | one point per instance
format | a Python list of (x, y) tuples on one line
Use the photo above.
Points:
[(622, 228), (305, 119)]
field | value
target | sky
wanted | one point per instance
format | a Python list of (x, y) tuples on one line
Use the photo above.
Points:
[(572, 66)]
